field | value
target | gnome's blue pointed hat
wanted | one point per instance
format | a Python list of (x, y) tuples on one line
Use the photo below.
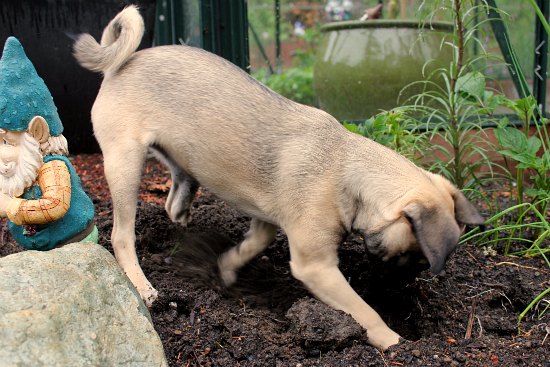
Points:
[(23, 94)]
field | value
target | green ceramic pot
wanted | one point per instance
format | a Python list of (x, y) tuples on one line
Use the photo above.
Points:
[(362, 66)]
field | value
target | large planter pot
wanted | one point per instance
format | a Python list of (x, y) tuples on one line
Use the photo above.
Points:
[(362, 66)]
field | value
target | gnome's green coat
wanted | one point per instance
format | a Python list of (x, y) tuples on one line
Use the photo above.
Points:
[(24, 95), (47, 236)]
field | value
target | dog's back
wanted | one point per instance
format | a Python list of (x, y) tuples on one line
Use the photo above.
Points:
[(185, 99)]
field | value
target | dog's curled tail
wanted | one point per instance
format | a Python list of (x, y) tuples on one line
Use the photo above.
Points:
[(119, 41)]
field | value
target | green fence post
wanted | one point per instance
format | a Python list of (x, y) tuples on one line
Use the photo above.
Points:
[(222, 27), (225, 30), (501, 35), (541, 58)]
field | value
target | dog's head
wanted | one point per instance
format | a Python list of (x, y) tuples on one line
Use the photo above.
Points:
[(428, 220)]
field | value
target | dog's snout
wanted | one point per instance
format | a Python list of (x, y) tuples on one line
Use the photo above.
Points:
[(373, 244)]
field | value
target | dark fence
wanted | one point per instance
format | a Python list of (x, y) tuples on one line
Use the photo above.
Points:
[(43, 28)]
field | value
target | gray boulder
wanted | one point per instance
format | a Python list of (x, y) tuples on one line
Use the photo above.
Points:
[(73, 306)]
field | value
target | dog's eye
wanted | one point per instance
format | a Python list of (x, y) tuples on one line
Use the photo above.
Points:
[(7, 142)]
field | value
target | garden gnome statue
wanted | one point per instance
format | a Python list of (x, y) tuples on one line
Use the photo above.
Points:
[(40, 191)]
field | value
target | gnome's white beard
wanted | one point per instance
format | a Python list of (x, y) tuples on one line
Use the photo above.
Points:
[(30, 161)]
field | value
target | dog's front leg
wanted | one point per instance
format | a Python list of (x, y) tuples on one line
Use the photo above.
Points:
[(258, 237), (123, 176), (314, 261)]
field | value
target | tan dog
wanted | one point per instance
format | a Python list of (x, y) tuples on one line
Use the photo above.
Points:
[(284, 164)]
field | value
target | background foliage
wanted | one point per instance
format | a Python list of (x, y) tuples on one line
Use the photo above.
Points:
[(262, 18)]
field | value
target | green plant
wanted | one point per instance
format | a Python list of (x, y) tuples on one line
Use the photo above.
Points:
[(505, 231), (529, 150), (392, 129), (296, 82), (455, 116), (523, 149), (456, 105)]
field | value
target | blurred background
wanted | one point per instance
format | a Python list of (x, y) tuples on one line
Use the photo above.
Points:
[(300, 31)]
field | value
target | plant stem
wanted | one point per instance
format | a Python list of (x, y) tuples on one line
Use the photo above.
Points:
[(520, 171), (519, 180), (531, 305), (455, 133), (460, 42), (541, 16)]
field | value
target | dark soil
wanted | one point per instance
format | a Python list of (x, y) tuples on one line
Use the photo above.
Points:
[(466, 317)]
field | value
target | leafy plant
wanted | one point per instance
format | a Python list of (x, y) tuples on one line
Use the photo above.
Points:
[(392, 129), (455, 114), (456, 105), (524, 149), (532, 153), (296, 82)]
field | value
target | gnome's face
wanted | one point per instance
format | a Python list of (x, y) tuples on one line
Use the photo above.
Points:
[(9, 152), (20, 160)]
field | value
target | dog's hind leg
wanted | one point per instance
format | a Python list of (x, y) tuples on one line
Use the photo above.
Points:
[(182, 192), (314, 261), (258, 237), (123, 167)]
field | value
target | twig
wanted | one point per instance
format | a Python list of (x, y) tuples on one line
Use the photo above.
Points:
[(472, 256), (382, 356), (3, 233), (428, 280), (480, 326), (547, 329), (521, 266), (420, 307), (470, 321), (196, 357), (479, 294)]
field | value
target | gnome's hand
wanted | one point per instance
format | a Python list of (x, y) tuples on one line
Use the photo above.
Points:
[(4, 201)]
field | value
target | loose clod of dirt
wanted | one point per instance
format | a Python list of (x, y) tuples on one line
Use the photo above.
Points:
[(466, 317)]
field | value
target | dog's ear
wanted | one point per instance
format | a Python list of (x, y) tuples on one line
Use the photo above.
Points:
[(436, 233), (465, 212)]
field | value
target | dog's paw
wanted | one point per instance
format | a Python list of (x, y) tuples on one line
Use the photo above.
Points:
[(178, 207), (182, 220), (383, 337), (148, 295), (181, 217), (228, 275)]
